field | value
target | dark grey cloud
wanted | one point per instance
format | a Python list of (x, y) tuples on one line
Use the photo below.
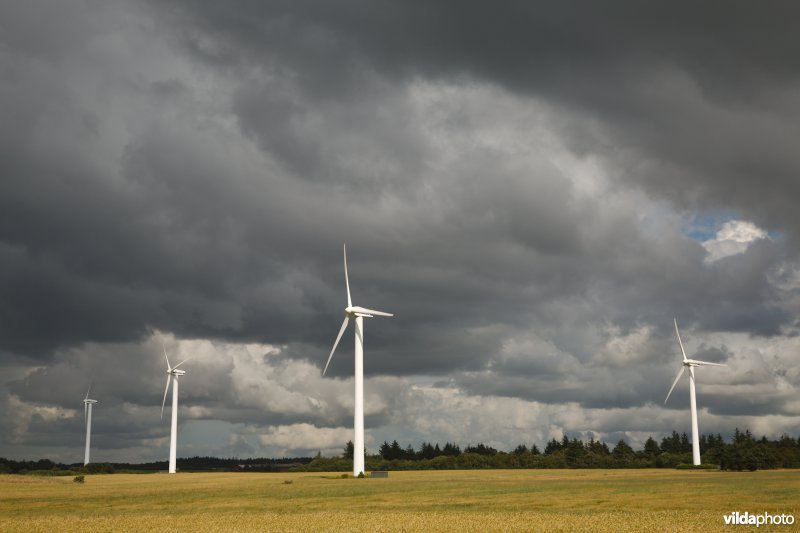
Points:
[(700, 93)]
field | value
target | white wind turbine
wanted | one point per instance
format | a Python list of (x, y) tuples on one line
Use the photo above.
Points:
[(357, 313), (87, 416), (172, 375), (690, 364)]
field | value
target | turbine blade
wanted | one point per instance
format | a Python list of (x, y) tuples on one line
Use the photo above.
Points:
[(169, 367), (679, 338), (364, 315), (346, 279), (85, 407), (169, 377), (675, 383), (179, 364), (338, 338), (366, 311), (87, 391)]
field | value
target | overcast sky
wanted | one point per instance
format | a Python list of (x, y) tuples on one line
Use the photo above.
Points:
[(534, 189)]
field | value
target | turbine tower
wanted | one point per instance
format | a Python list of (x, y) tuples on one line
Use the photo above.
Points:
[(87, 416), (357, 313), (172, 375), (690, 364)]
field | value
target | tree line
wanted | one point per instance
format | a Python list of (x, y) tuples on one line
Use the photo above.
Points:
[(186, 464), (743, 452)]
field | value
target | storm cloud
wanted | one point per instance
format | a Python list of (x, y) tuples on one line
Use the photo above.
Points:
[(535, 190)]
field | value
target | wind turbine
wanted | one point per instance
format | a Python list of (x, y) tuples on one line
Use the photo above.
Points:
[(690, 364), (357, 313), (87, 416), (172, 375)]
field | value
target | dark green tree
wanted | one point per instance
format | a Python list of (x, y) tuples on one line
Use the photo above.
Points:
[(686, 446), (623, 453), (348, 450), (651, 448), (672, 443), (552, 447), (385, 450), (396, 452), (409, 454), (451, 449), (481, 449)]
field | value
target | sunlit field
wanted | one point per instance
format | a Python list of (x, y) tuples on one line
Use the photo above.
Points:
[(488, 500)]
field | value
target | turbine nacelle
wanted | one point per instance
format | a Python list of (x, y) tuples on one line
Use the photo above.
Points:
[(87, 401), (355, 310), (172, 371), (695, 362)]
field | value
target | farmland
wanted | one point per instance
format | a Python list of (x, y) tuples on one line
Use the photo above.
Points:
[(540, 500)]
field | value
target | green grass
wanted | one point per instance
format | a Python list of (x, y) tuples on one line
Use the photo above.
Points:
[(485, 500)]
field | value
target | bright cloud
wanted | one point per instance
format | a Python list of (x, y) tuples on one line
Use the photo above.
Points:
[(734, 237), (307, 437)]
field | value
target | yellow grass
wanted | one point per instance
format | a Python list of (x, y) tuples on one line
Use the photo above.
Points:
[(488, 500)]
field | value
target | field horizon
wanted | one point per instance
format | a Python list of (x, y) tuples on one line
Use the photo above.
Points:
[(465, 500)]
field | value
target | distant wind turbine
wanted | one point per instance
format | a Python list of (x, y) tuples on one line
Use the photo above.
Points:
[(87, 417), (690, 364), (357, 313), (172, 375)]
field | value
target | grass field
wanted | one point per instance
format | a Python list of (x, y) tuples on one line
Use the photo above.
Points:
[(485, 500)]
